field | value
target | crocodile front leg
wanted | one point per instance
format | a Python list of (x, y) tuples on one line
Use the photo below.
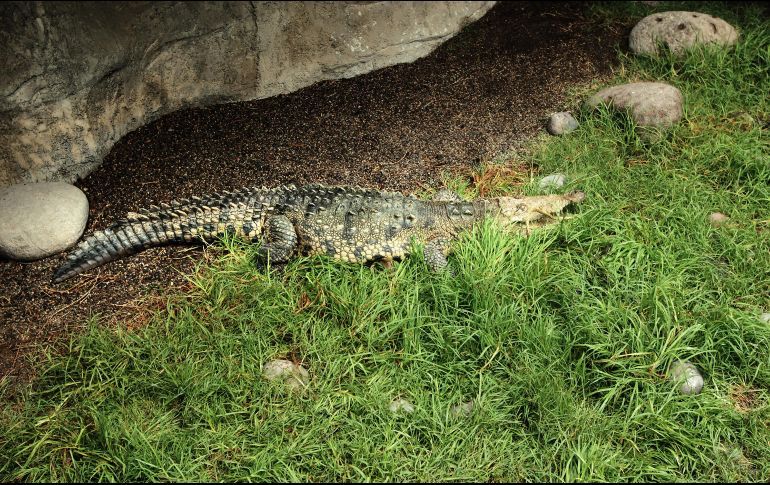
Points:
[(280, 239), (447, 195), (435, 253)]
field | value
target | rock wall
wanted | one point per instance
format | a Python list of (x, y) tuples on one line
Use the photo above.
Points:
[(80, 75)]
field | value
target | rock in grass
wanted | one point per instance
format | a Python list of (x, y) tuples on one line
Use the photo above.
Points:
[(764, 318), (401, 404), (553, 181), (718, 219), (687, 375), (652, 105), (41, 219), (464, 409), (562, 123), (294, 376), (679, 31)]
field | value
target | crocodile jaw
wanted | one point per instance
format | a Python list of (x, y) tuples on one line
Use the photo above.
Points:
[(512, 211)]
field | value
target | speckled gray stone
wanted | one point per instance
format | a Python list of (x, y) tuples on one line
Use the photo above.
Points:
[(562, 123), (294, 376), (40, 219), (679, 31), (687, 376), (553, 181), (401, 404)]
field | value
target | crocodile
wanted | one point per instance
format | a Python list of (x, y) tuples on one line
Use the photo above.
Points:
[(351, 224)]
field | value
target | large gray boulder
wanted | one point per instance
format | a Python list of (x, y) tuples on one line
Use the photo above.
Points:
[(78, 76), (679, 31), (40, 220)]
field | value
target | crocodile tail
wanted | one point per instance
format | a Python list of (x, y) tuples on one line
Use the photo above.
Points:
[(123, 238), (180, 222)]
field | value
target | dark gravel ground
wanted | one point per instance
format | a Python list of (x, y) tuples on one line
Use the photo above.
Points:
[(475, 97)]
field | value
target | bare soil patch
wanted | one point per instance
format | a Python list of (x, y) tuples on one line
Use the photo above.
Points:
[(399, 128)]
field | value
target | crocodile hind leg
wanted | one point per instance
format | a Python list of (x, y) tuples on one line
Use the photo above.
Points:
[(280, 239)]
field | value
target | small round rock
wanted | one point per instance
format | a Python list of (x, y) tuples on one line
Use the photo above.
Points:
[(294, 376), (401, 404), (562, 123), (717, 219), (689, 377), (40, 219), (765, 317), (553, 181)]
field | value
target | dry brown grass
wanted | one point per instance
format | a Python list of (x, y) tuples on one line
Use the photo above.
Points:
[(491, 178), (744, 398)]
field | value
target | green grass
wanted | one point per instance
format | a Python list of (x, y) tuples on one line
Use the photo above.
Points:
[(562, 340)]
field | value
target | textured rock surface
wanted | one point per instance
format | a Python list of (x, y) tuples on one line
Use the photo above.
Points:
[(652, 105), (679, 31), (562, 123), (294, 376), (687, 376), (77, 77), (39, 220)]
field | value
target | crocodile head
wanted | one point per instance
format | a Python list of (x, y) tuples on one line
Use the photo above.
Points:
[(540, 208)]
